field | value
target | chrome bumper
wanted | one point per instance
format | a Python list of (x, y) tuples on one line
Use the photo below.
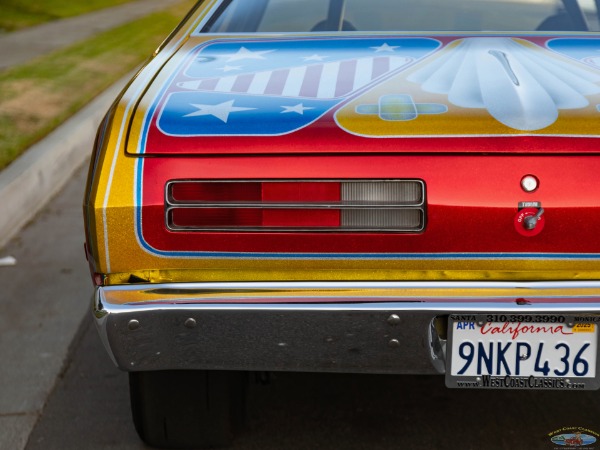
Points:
[(372, 327)]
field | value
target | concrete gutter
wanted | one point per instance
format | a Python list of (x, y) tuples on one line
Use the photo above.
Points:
[(36, 176)]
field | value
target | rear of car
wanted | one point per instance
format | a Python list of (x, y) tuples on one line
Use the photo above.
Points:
[(350, 187)]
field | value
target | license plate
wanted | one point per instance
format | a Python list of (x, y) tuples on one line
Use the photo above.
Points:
[(505, 351)]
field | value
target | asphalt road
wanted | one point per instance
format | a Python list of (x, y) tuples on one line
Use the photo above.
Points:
[(88, 407)]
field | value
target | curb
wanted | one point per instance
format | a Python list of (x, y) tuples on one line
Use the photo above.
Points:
[(35, 177)]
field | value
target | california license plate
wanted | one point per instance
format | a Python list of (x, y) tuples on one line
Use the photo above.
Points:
[(506, 351)]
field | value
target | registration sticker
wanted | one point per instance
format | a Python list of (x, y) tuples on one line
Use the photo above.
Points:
[(522, 352), (584, 328)]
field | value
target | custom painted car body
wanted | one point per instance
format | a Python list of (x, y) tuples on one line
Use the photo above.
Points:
[(327, 200), (351, 198)]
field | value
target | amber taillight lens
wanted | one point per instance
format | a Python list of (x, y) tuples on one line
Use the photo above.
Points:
[(324, 205)]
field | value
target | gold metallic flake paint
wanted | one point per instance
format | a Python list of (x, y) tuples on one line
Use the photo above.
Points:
[(288, 271), (287, 294)]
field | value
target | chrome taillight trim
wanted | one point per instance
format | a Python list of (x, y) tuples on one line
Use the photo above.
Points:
[(172, 204)]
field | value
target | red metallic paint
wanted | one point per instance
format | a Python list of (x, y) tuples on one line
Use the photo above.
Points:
[(326, 137), (471, 203)]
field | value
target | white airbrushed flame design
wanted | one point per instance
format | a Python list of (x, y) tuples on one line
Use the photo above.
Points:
[(520, 86)]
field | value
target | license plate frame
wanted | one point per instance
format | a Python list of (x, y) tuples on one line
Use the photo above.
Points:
[(527, 380)]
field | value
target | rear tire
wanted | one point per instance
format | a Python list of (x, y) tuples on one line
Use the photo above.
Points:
[(187, 408)]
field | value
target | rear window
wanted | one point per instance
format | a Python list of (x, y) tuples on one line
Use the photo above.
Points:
[(409, 15)]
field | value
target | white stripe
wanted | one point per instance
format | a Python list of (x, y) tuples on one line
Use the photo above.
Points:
[(294, 82), (329, 80), (225, 84), (259, 83), (190, 84), (364, 69), (396, 61)]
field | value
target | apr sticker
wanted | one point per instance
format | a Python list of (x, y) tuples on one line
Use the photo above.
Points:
[(574, 437)]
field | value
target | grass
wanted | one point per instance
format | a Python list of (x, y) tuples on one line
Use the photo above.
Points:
[(37, 97), (16, 14)]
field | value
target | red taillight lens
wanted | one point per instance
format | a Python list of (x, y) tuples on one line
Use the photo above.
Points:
[(215, 192), (216, 217), (301, 218), (396, 205), (186, 192), (300, 192), (253, 218)]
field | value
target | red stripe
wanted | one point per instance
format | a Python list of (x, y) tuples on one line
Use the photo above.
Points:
[(242, 83), (310, 85), (277, 82), (381, 65), (346, 76), (209, 85)]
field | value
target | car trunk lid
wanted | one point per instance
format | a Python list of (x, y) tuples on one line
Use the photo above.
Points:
[(392, 93)]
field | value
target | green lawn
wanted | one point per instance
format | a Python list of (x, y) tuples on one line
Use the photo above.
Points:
[(37, 97), (16, 14)]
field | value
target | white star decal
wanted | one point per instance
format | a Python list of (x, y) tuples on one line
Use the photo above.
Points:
[(315, 57), (228, 68), (299, 109), (244, 53), (385, 48), (220, 111)]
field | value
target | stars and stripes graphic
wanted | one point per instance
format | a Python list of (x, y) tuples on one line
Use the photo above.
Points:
[(273, 87), (325, 80), (583, 49)]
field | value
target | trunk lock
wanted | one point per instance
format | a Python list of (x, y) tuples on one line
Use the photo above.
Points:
[(530, 219)]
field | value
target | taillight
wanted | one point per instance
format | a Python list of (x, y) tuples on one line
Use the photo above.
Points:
[(324, 205)]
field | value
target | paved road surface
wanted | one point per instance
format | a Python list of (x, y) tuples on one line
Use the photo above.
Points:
[(42, 301)]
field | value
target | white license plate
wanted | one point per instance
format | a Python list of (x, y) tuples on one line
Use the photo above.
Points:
[(522, 351)]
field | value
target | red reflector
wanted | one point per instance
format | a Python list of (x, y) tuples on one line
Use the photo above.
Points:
[(99, 279)]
